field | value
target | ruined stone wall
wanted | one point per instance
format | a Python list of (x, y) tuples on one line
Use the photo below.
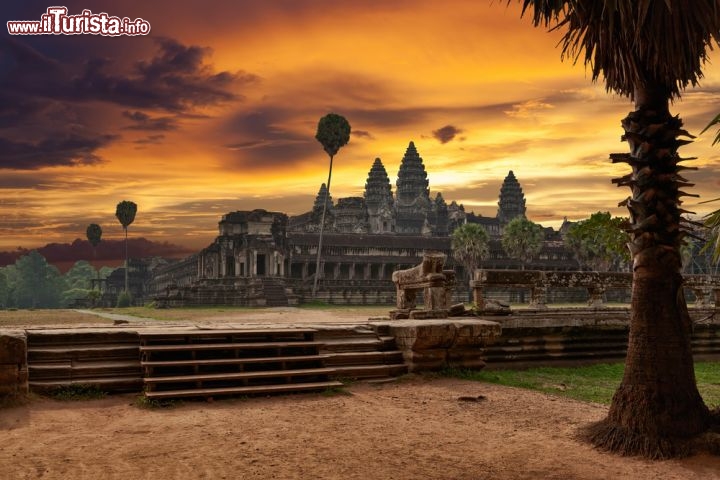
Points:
[(538, 288)]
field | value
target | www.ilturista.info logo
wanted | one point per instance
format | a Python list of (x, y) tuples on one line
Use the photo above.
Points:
[(57, 22)]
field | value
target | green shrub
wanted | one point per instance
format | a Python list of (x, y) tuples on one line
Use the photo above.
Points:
[(124, 300), (77, 392), (144, 402)]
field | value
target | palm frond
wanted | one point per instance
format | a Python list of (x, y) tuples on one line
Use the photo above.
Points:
[(713, 122), (712, 223), (635, 43)]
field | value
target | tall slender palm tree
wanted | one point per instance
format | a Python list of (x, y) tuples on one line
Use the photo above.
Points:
[(125, 213), (650, 51), (333, 132), (94, 234)]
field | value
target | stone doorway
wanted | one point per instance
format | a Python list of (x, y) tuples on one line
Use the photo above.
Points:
[(229, 266), (260, 266)]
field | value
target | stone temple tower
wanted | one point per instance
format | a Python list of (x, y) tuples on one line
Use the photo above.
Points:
[(322, 195), (379, 199), (412, 196), (512, 200)]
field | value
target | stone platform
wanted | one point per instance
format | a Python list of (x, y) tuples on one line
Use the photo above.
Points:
[(441, 343), (425, 344)]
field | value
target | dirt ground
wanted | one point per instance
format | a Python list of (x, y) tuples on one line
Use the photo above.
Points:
[(415, 428), (418, 427)]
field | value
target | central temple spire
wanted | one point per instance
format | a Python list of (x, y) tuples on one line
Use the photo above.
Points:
[(412, 196), (512, 200), (412, 178)]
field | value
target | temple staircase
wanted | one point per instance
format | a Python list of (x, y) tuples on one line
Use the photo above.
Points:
[(274, 292), (361, 353), (185, 363), (109, 361), (209, 363)]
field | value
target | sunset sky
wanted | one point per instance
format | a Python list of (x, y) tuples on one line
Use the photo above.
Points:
[(216, 111)]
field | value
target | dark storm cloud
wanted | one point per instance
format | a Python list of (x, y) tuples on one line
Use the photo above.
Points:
[(143, 121), (446, 133), (389, 117), (49, 109), (68, 150), (262, 142), (150, 140), (362, 134), (176, 80)]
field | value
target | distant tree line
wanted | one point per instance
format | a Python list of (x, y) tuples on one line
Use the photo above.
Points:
[(31, 282)]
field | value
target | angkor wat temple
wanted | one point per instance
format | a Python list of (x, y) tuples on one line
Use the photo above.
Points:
[(268, 258)]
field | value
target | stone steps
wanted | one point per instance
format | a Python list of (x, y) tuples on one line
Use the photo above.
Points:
[(232, 362), (108, 360), (362, 354), (274, 292)]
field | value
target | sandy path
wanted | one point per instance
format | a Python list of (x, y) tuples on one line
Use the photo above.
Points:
[(416, 428)]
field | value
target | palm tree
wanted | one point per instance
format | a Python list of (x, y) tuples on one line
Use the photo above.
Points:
[(94, 234), (333, 132), (712, 222), (125, 213), (469, 244), (522, 239), (648, 50)]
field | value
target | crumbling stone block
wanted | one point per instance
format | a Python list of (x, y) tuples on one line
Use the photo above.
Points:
[(435, 344), (13, 363)]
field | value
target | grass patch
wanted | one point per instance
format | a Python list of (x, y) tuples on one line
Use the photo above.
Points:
[(77, 392), (152, 403), (181, 314), (707, 375), (591, 383), (335, 391)]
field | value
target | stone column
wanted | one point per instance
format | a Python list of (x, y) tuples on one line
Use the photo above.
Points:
[(538, 297), (477, 294), (704, 296), (596, 296)]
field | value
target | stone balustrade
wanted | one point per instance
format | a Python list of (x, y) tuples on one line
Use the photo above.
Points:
[(429, 277), (705, 287)]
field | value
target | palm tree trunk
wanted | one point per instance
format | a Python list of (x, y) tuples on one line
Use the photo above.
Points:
[(322, 228), (657, 407), (126, 261)]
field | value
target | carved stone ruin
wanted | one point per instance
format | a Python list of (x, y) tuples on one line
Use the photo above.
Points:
[(706, 288), (435, 283)]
